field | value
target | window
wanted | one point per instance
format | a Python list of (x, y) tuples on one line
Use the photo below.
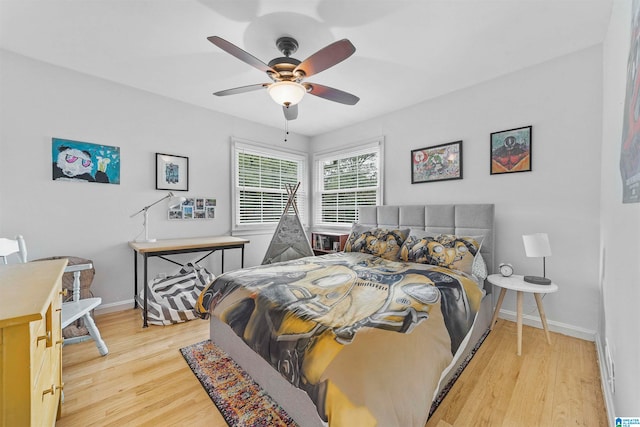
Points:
[(261, 178), (347, 179)]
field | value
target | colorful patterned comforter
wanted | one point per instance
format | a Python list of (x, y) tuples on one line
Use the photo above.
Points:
[(366, 338)]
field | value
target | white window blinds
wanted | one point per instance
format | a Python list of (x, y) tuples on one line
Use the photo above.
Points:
[(345, 180), (261, 176)]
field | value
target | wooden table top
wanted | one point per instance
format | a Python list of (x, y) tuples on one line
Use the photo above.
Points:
[(187, 243)]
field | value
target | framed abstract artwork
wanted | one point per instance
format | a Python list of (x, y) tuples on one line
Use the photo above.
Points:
[(172, 172), (511, 151), (437, 163), (85, 162)]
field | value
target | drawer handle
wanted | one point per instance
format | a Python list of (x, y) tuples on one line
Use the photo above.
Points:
[(52, 390), (45, 337), (49, 390)]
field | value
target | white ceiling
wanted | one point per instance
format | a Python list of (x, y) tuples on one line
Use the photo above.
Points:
[(407, 51)]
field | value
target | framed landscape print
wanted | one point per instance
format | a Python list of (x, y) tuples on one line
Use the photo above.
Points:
[(172, 172), (437, 163), (511, 151)]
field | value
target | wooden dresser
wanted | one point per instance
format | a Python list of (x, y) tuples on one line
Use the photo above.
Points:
[(30, 343)]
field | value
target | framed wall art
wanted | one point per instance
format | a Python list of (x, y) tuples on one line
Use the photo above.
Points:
[(85, 162), (437, 163), (630, 149), (172, 172), (194, 208), (511, 151)]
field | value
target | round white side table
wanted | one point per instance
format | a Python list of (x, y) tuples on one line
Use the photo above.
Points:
[(517, 283)]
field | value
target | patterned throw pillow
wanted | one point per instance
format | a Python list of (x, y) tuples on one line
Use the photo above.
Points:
[(444, 250), (376, 241)]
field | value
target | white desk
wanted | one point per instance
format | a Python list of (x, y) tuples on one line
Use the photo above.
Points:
[(160, 248), (517, 283)]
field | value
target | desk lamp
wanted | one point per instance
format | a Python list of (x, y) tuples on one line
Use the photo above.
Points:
[(174, 202), (537, 246)]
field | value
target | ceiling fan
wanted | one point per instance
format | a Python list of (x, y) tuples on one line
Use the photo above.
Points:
[(287, 74)]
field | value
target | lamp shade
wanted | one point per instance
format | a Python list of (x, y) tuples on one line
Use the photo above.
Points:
[(536, 245), (176, 201), (287, 93)]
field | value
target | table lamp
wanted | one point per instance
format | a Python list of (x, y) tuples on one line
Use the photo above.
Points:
[(537, 246), (174, 202)]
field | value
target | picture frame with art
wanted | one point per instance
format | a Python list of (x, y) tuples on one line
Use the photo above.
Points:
[(194, 208), (511, 150), (84, 162), (437, 163), (172, 172)]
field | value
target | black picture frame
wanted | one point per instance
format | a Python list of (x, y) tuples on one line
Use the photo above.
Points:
[(510, 151), (437, 163), (172, 172)]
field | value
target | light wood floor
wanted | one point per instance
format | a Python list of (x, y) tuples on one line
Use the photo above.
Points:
[(144, 380)]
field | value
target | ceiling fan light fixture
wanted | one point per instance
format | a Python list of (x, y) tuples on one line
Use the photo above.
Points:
[(287, 93)]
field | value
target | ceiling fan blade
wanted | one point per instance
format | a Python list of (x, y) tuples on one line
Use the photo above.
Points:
[(290, 112), (331, 94), (241, 89), (240, 54), (326, 57)]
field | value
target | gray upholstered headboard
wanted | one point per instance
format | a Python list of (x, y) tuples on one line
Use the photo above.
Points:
[(462, 219)]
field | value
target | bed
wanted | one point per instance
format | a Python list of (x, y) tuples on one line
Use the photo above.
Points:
[(365, 337)]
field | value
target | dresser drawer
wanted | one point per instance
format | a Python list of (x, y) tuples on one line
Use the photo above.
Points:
[(38, 347), (44, 394)]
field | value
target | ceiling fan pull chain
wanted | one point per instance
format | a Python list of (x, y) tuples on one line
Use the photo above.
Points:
[(286, 129)]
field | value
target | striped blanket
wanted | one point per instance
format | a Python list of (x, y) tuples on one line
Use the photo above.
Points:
[(172, 299)]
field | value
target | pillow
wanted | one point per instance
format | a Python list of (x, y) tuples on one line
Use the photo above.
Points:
[(479, 267), (376, 241), (444, 250)]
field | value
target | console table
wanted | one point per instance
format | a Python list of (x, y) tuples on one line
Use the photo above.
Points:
[(160, 248)]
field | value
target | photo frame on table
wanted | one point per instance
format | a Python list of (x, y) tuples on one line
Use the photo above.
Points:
[(511, 150), (437, 163), (172, 172)]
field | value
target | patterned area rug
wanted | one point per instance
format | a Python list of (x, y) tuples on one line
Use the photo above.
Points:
[(240, 400)]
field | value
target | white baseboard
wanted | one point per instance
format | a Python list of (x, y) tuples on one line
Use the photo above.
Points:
[(562, 328), (115, 306), (606, 391)]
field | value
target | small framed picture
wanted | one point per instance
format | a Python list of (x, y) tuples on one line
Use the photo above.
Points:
[(172, 172), (511, 151), (437, 163), (175, 214)]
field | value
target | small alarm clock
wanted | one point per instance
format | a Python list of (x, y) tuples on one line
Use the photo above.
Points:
[(505, 269)]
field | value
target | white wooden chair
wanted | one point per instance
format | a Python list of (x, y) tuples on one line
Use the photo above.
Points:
[(72, 310), (13, 246)]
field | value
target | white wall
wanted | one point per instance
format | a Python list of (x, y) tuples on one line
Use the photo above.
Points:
[(90, 220), (620, 226), (562, 100)]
